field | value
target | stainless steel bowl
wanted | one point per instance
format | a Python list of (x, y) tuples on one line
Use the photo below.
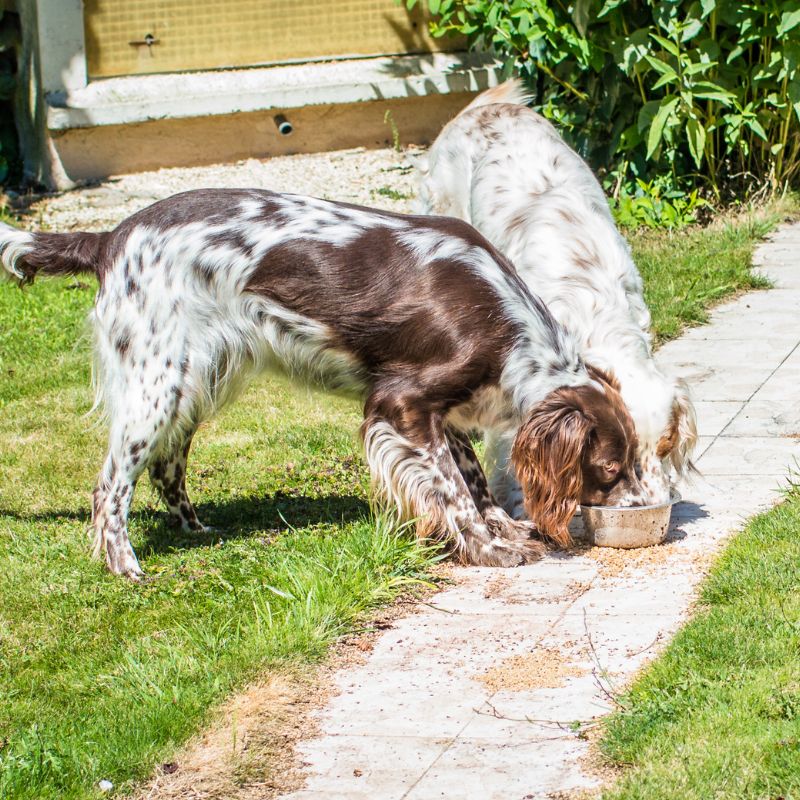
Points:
[(627, 526)]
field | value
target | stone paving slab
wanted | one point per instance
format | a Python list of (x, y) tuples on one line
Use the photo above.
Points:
[(416, 721), (714, 415)]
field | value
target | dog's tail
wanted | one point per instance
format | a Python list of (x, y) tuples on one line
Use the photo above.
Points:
[(511, 91), (25, 255)]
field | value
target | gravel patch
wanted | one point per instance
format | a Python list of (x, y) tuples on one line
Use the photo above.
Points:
[(544, 668), (379, 178)]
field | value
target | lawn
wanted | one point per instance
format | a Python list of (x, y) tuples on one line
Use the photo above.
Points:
[(102, 679), (686, 272), (718, 715)]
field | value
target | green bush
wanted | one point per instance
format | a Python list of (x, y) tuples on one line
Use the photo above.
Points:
[(652, 205), (703, 92)]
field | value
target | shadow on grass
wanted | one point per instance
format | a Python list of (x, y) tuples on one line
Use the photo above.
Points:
[(233, 519), (242, 517)]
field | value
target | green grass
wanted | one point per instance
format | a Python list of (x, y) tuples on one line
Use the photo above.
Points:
[(102, 679), (685, 272), (718, 715), (392, 194)]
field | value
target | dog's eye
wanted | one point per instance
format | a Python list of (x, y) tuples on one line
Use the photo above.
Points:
[(611, 467)]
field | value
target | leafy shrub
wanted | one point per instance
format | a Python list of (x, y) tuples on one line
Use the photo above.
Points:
[(706, 92), (654, 206)]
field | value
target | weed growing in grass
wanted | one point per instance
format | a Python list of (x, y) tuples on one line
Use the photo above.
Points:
[(653, 205), (388, 119)]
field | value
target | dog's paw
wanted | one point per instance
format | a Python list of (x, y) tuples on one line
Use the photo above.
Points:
[(506, 553), (122, 561), (503, 526)]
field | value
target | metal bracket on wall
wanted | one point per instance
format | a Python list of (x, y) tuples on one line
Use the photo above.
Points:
[(148, 41)]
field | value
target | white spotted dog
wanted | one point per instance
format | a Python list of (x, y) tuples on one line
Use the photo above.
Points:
[(505, 169), (419, 317)]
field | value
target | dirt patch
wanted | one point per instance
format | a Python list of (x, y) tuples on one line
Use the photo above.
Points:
[(501, 587), (496, 587), (573, 590), (249, 752), (545, 668), (613, 562)]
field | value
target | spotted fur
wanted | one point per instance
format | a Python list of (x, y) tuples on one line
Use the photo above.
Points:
[(420, 318), (505, 169)]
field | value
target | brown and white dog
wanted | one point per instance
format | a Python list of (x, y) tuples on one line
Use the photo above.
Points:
[(504, 169), (420, 317)]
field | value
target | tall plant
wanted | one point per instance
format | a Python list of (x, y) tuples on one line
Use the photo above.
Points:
[(704, 92)]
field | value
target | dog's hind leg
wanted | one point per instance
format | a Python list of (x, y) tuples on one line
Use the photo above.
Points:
[(168, 476), (148, 418), (111, 503)]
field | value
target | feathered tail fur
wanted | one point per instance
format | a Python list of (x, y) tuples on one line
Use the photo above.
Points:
[(511, 91), (25, 255)]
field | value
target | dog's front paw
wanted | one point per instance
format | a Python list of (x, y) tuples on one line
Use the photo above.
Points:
[(507, 553), (503, 526)]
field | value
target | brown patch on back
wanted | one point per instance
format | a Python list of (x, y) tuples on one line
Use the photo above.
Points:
[(519, 221), (566, 215), (499, 110)]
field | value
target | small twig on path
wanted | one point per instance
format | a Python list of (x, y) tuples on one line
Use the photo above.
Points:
[(600, 672), (572, 726), (645, 649), (423, 603)]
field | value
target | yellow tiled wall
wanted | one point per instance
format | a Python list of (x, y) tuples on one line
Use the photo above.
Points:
[(204, 34)]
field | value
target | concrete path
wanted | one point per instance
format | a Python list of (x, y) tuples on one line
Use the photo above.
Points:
[(489, 691)]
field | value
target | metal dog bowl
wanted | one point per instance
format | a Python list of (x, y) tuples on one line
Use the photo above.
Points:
[(627, 526)]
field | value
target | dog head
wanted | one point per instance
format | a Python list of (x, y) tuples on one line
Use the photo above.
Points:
[(577, 446)]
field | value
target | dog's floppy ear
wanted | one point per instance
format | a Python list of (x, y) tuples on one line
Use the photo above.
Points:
[(679, 441), (547, 455)]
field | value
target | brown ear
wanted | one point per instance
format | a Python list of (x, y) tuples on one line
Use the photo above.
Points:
[(679, 441), (547, 456)]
